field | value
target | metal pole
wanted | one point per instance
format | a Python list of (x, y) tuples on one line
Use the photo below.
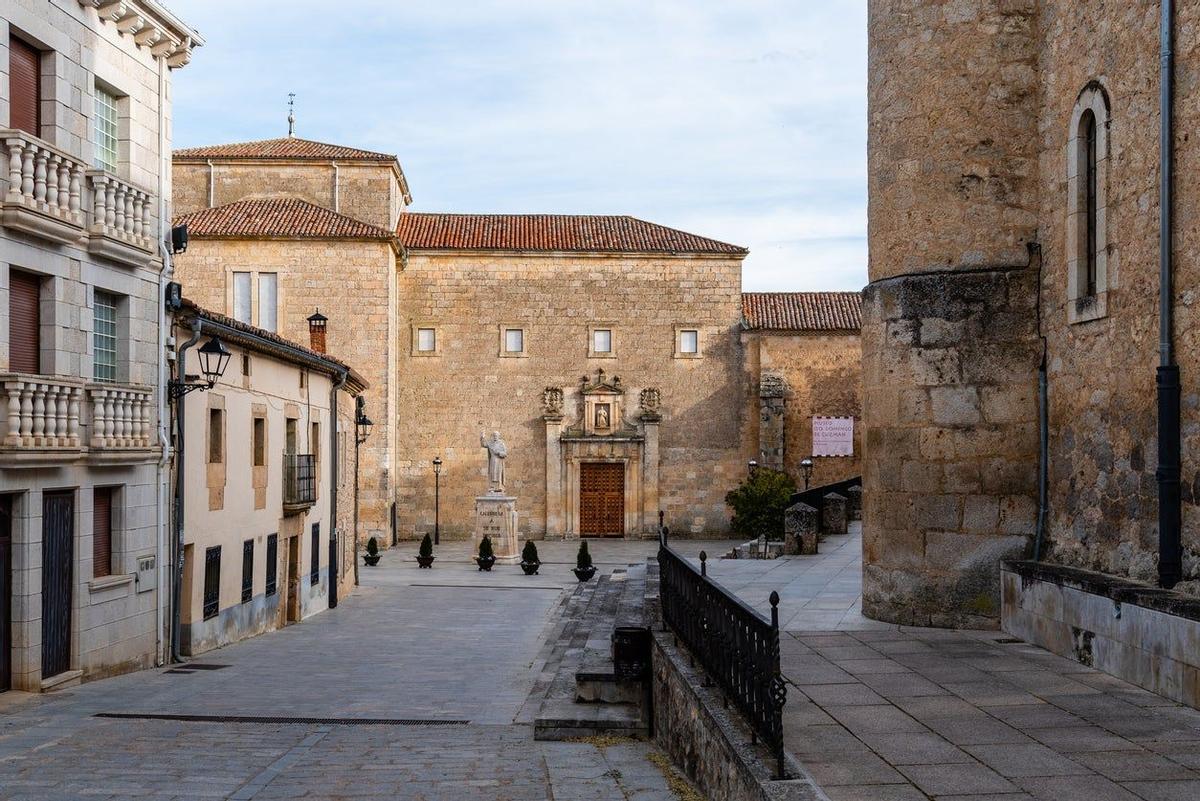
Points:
[(437, 507)]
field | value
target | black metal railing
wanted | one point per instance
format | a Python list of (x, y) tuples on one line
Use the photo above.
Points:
[(299, 479), (737, 646)]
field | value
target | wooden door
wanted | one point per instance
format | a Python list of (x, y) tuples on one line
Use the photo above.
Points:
[(293, 580), (602, 499), (58, 558), (6, 587)]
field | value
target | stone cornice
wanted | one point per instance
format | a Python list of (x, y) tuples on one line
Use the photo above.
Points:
[(150, 26)]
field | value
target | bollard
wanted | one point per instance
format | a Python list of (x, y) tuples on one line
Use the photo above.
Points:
[(854, 503), (833, 515), (800, 530), (703, 563)]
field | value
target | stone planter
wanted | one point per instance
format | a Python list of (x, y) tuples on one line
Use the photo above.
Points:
[(530, 568), (584, 573), (485, 564), (372, 559), (425, 561)]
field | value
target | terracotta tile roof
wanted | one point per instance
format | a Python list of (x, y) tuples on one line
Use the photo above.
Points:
[(284, 217), (550, 233), (802, 311), (287, 147)]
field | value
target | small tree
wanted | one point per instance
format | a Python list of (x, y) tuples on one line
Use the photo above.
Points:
[(529, 553), (372, 546), (758, 503), (583, 559), (485, 548), (426, 549)]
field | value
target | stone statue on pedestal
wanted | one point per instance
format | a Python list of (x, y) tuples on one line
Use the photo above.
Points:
[(497, 453), (495, 511)]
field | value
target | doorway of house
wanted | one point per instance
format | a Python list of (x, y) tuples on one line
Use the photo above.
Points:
[(602, 499), (293, 580), (58, 560), (6, 589)]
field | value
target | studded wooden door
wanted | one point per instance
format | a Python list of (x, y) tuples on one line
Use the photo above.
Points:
[(58, 558), (602, 499)]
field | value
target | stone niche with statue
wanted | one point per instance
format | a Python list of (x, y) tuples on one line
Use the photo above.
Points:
[(602, 465)]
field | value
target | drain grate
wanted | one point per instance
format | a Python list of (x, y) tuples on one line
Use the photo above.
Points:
[(1008, 641), (202, 666), (286, 720)]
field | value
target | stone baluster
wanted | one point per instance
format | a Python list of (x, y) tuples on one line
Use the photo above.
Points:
[(50, 433), (15, 155), (119, 216), (39, 177), (76, 202), (27, 391), (12, 436), (131, 224), (125, 437), (39, 415), (99, 199), (98, 422), (52, 182), (27, 172), (64, 187), (73, 417), (64, 417), (110, 203), (144, 421)]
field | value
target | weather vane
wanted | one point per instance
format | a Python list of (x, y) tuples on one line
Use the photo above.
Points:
[(291, 113)]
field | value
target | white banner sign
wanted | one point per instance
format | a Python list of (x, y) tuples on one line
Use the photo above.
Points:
[(833, 436)]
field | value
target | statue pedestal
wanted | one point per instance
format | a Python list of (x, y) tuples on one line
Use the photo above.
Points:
[(496, 517)]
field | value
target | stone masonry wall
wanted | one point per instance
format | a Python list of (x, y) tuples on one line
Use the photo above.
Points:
[(949, 334), (823, 376), (446, 400), (353, 283)]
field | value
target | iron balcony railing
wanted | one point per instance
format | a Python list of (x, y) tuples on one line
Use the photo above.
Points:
[(299, 480), (736, 645)]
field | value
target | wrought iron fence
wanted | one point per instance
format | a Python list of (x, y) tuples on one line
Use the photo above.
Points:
[(299, 479), (736, 645)]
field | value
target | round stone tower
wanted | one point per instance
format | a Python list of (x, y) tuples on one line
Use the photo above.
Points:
[(950, 341)]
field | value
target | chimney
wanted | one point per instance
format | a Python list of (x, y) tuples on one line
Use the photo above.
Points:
[(316, 331)]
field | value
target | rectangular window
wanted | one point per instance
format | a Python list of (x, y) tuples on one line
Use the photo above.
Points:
[(106, 130), (514, 340), (104, 336), (247, 570), (426, 340), (24, 87), (260, 441), (268, 301), (602, 340), (314, 443), (290, 440), (212, 582), (24, 322), (314, 576), (216, 436), (241, 298), (689, 341), (272, 563), (246, 364), (102, 527)]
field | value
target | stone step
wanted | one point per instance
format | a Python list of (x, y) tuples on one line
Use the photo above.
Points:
[(565, 720)]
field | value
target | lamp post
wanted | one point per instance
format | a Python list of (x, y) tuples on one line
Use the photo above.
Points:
[(214, 358), (751, 466), (437, 499), (806, 467), (362, 430)]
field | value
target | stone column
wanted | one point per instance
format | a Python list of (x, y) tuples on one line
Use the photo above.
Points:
[(555, 525), (771, 433)]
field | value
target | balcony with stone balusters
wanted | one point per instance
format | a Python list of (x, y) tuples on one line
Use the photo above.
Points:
[(54, 195), (51, 419)]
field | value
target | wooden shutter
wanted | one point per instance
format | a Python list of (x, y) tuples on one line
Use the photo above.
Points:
[(102, 532), (24, 87), (24, 323)]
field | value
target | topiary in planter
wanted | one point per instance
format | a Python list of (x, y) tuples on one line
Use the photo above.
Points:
[(759, 503), (529, 558), (487, 557), (584, 569), (425, 555), (372, 555)]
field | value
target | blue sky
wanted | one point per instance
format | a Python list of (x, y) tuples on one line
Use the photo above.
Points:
[(742, 120)]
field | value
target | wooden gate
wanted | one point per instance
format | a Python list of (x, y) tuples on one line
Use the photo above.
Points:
[(6, 509), (602, 499), (58, 557)]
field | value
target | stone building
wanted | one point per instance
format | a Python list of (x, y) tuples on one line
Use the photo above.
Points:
[(85, 112), (610, 352), (263, 457), (1014, 222)]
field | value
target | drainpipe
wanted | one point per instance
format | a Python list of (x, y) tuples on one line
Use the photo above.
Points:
[(1170, 551), (177, 543), (1035, 253), (211, 183), (160, 476), (333, 488), (337, 189)]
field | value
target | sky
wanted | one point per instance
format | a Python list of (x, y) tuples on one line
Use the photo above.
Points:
[(741, 120)]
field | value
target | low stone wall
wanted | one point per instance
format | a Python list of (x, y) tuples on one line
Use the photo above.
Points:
[(1143, 635)]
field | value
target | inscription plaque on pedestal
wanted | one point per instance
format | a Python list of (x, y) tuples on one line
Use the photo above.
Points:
[(496, 517)]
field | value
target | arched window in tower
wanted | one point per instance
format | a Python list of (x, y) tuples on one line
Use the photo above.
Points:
[(1089, 277)]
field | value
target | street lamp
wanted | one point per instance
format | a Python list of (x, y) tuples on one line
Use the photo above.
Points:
[(214, 358), (362, 423), (806, 467), (751, 466), (437, 499)]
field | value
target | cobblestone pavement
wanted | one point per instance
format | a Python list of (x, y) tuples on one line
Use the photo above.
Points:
[(448, 644), (878, 712)]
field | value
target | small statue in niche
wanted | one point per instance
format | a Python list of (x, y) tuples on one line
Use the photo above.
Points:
[(602, 416)]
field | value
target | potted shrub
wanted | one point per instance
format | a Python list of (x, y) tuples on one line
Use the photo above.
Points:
[(529, 558), (584, 569), (487, 557), (759, 503), (425, 555), (371, 557)]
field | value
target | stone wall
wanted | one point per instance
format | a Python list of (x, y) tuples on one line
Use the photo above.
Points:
[(822, 375), (445, 400), (353, 283)]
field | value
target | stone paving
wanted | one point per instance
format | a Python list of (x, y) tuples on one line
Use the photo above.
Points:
[(878, 712), (448, 644)]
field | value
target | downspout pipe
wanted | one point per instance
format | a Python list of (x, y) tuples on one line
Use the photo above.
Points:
[(1170, 548), (177, 543), (333, 488)]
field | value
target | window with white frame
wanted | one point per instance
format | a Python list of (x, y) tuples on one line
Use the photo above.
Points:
[(242, 311), (426, 340), (512, 340), (104, 336), (602, 340), (689, 342), (268, 301), (105, 128)]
